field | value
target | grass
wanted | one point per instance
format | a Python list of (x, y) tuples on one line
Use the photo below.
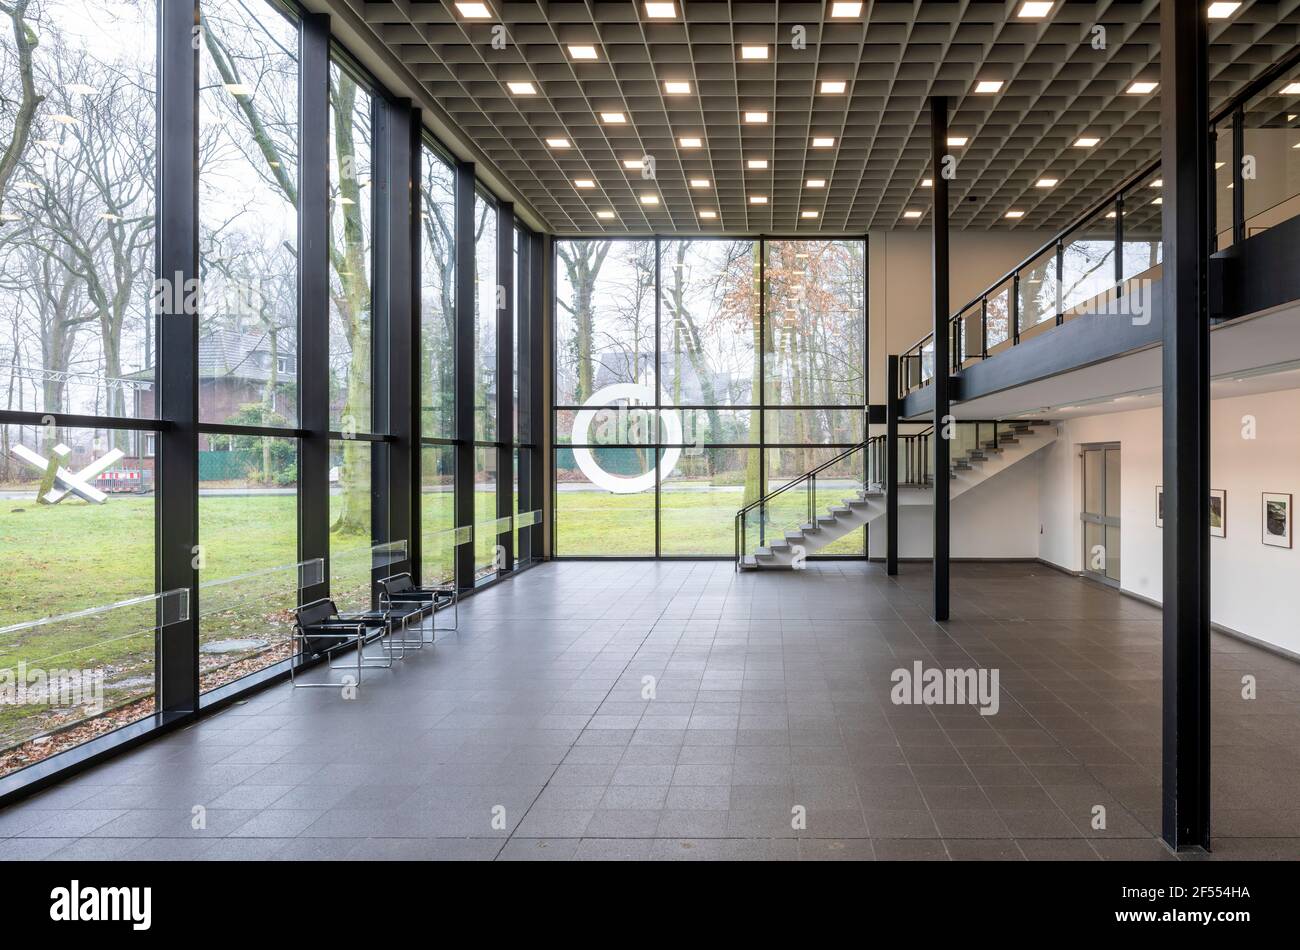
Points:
[(71, 556)]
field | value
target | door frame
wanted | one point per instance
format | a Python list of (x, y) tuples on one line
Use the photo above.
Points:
[(1087, 518)]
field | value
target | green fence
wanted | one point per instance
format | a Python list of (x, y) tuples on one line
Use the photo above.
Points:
[(229, 465)]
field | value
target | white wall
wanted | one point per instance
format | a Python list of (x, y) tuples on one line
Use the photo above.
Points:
[(1252, 585), (996, 519), (900, 279)]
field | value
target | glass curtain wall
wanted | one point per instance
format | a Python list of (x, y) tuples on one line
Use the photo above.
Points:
[(106, 503), (693, 375)]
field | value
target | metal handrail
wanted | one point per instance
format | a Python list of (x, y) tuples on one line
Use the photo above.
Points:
[(916, 459), (1229, 109)]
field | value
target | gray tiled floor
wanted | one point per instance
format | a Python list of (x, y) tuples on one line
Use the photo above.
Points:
[(529, 734)]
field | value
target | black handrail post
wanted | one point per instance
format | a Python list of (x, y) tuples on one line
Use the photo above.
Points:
[(1119, 245), (1060, 280), (1238, 175), (1015, 309), (891, 471), (938, 148), (1186, 440), (984, 328)]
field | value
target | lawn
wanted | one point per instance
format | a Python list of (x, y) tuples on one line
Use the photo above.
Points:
[(73, 556)]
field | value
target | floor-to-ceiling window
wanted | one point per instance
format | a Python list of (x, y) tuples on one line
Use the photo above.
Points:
[(487, 444), (437, 368), (352, 508), (77, 241), (692, 375), (248, 337)]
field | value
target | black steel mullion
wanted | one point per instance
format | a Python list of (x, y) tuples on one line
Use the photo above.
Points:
[(939, 249), (464, 360), (395, 335), (891, 471), (762, 388), (658, 404), (1186, 428), (505, 310), (176, 672), (313, 300)]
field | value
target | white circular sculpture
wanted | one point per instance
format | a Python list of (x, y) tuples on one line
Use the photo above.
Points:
[(622, 484)]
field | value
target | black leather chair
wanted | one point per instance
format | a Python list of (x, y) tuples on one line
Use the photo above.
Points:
[(399, 592), (320, 630)]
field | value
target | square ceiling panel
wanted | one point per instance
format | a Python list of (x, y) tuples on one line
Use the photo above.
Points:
[(667, 107)]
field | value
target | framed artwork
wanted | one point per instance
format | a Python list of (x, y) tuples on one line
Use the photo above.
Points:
[(1276, 519), (1218, 514)]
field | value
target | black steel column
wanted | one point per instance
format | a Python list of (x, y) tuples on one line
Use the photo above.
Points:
[(1185, 163), (396, 335), (505, 312), (891, 469), (313, 301), (939, 248), (176, 676), (530, 355), (464, 371), (1238, 176), (540, 291)]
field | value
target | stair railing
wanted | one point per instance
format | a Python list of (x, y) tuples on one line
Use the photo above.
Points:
[(914, 469)]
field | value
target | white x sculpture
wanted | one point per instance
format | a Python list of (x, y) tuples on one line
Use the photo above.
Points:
[(66, 482)]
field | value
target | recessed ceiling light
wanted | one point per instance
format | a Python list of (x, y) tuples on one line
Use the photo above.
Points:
[(957, 141), (708, 214), (1296, 145), (1015, 214), (1034, 10), (816, 183), (522, 88), (1221, 11), (582, 52), (1218, 165), (755, 116), (756, 163), (927, 182), (1291, 89), (699, 183), (1158, 183), (833, 87), (758, 199), (613, 118), (1142, 87), (649, 199), (807, 214), (583, 183), (633, 163), (985, 86), (677, 87), (843, 8), (558, 142), (1046, 183), (474, 11), (1158, 201), (823, 141), (913, 214), (1086, 141), (753, 52), (1111, 214), (661, 11), (690, 141), (605, 214)]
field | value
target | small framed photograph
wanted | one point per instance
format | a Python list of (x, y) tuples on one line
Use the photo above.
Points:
[(1218, 513), (1276, 518), (1160, 506)]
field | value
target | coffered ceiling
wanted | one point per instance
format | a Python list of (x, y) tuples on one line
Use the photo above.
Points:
[(684, 85)]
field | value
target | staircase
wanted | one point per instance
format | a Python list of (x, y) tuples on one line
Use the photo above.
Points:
[(979, 452)]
